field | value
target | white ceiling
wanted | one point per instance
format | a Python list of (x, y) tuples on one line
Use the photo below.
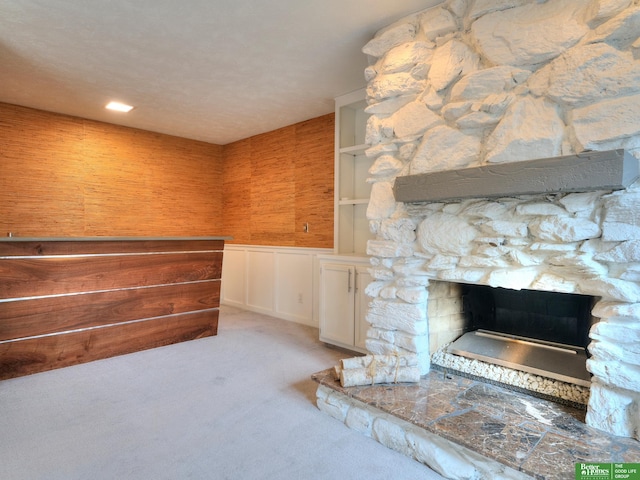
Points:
[(210, 70)]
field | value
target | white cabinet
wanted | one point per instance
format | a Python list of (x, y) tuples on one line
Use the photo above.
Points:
[(282, 282), (343, 303), (352, 191)]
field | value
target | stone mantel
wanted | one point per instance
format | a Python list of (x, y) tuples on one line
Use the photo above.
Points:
[(608, 170)]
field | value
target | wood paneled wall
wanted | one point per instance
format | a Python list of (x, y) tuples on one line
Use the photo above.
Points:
[(276, 182), (63, 176)]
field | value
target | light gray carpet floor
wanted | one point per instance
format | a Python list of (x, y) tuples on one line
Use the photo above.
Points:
[(240, 405)]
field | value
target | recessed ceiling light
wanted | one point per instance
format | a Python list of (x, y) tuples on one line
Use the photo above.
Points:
[(119, 107)]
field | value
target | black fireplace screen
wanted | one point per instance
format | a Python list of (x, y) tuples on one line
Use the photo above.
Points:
[(549, 316)]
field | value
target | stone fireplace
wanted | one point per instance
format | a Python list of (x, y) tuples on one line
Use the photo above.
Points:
[(483, 85)]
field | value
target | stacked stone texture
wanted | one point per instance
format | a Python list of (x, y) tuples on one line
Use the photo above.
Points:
[(474, 83)]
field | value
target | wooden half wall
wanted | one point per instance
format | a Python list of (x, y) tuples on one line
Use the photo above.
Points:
[(65, 302)]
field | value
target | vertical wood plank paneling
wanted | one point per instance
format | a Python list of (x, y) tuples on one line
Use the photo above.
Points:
[(273, 188), (276, 181), (64, 176), (41, 173), (236, 201), (314, 178), (164, 185), (118, 189)]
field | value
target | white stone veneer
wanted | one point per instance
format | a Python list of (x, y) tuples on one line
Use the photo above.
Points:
[(474, 83)]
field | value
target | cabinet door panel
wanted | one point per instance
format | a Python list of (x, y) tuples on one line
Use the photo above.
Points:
[(363, 278), (337, 303)]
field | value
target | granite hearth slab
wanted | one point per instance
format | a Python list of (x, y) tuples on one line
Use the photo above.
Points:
[(538, 437)]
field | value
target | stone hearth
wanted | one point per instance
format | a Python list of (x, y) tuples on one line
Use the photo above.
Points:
[(467, 429)]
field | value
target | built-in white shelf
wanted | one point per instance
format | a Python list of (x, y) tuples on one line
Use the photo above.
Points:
[(354, 150), (352, 190), (353, 201)]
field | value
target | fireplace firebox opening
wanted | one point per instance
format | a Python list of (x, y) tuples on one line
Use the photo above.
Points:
[(534, 332), (539, 315)]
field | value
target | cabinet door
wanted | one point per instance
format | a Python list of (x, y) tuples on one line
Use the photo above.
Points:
[(337, 303), (363, 278)]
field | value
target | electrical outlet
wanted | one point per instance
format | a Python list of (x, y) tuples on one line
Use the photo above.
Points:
[(300, 298)]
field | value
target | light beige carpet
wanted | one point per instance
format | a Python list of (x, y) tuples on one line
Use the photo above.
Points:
[(240, 405)]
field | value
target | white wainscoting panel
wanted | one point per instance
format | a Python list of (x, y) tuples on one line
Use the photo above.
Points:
[(260, 280), (234, 272), (294, 296), (277, 281)]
